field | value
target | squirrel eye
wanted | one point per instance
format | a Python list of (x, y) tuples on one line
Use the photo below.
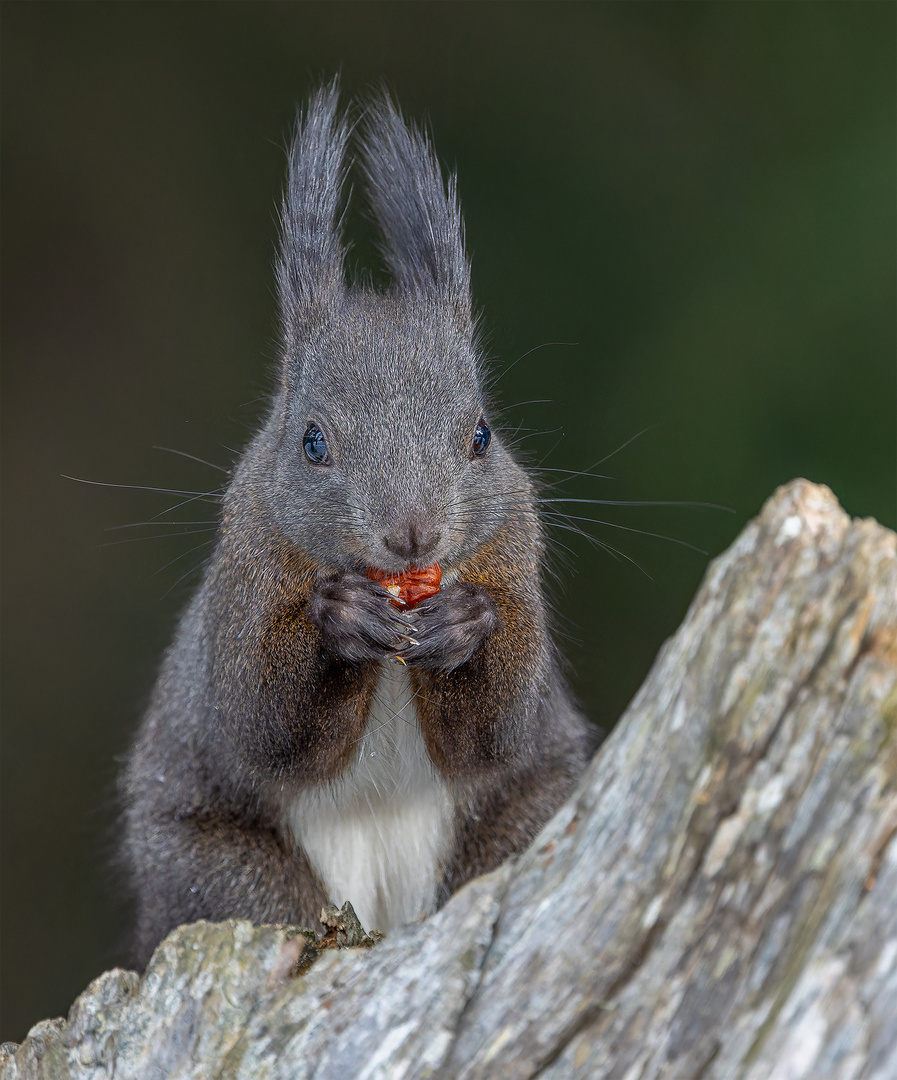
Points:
[(481, 438), (315, 445)]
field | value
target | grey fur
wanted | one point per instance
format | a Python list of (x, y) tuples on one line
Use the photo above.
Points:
[(310, 267), (271, 675), (422, 227)]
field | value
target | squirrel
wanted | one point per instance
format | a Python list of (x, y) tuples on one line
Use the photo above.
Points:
[(308, 741)]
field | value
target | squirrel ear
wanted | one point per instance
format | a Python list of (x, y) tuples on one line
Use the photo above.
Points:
[(310, 267), (421, 222)]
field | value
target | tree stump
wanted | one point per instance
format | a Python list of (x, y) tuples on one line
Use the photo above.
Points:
[(718, 899)]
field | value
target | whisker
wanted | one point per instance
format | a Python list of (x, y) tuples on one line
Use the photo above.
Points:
[(642, 532), (622, 446), (178, 558), (187, 574), (614, 553), (575, 472), (534, 401), (155, 521), (217, 494), (192, 457), (533, 434), (156, 536), (529, 352), (641, 502)]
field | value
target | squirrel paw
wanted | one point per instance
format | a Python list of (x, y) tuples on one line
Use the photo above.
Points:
[(450, 627), (357, 624)]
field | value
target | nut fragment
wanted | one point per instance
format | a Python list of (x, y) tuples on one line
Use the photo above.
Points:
[(410, 587)]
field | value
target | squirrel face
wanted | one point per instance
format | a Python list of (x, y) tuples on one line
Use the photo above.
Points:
[(381, 449), (378, 451)]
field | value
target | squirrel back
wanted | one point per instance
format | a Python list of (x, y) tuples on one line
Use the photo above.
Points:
[(308, 740)]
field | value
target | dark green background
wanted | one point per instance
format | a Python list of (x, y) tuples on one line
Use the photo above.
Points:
[(700, 196)]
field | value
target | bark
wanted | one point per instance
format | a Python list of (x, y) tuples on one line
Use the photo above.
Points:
[(718, 899)]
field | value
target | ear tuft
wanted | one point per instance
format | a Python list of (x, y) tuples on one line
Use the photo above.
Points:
[(423, 233), (310, 267)]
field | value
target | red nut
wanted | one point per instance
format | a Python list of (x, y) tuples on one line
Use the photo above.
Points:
[(409, 588)]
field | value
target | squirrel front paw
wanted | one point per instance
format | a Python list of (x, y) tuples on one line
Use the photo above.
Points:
[(355, 618), (449, 627)]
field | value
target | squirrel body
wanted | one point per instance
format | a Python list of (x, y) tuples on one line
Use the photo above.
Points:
[(380, 831), (307, 742)]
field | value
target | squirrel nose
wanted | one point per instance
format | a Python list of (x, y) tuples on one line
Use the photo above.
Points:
[(414, 539)]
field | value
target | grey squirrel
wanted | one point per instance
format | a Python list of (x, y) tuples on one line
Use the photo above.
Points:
[(307, 741)]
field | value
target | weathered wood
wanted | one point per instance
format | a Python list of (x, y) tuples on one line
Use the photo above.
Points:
[(719, 898)]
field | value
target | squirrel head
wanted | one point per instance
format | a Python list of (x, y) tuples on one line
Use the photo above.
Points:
[(379, 449)]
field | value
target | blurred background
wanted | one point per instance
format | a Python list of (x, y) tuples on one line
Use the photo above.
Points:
[(698, 198)]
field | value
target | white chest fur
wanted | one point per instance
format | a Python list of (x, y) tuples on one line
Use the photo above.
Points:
[(378, 833)]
